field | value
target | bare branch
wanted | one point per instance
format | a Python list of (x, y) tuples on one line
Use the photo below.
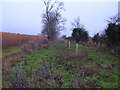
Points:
[(113, 19), (76, 23), (52, 5), (52, 19)]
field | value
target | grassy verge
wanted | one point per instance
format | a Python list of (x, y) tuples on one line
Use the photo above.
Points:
[(109, 75), (10, 50), (57, 66)]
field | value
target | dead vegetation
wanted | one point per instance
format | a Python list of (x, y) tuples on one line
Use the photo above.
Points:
[(39, 76), (13, 39), (28, 44), (34, 45), (82, 54), (80, 82)]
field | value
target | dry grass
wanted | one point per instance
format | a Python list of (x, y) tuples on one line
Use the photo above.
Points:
[(34, 45), (28, 43), (112, 50), (77, 54), (13, 39)]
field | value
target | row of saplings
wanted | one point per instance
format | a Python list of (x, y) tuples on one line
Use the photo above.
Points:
[(109, 39)]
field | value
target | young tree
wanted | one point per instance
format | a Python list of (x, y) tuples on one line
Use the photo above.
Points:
[(52, 19), (113, 34), (64, 36), (103, 38), (76, 23), (113, 20), (80, 34), (96, 38)]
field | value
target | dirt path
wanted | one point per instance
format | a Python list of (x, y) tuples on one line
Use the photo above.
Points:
[(7, 60)]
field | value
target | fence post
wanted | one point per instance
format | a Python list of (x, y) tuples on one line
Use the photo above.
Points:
[(69, 44), (76, 49)]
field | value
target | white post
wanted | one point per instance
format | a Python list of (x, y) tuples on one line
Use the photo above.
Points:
[(76, 48), (69, 44)]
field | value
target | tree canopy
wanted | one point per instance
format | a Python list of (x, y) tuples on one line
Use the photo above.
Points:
[(80, 34), (96, 38)]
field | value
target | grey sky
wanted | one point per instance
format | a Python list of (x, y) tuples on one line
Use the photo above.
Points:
[(25, 17)]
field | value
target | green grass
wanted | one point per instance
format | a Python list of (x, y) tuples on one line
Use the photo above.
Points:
[(10, 50), (105, 60), (55, 54)]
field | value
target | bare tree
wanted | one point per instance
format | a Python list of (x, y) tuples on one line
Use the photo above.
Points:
[(52, 19), (113, 19), (76, 23)]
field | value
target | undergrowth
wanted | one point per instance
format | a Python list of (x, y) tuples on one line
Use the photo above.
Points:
[(53, 67)]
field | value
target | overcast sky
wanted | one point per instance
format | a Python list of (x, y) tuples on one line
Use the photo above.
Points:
[(25, 17)]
